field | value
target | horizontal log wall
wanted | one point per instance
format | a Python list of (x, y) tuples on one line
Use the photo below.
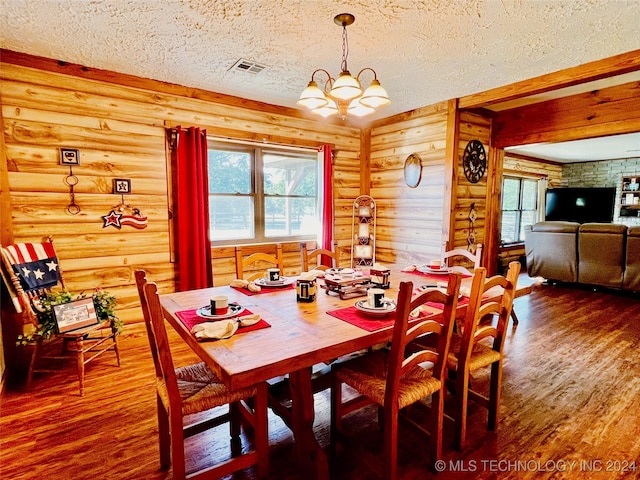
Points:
[(120, 133), (409, 220)]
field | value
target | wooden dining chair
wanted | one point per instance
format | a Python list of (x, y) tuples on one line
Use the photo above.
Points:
[(387, 379), (449, 256), (193, 389), (256, 261), (479, 345), (33, 271), (476, 259), (312, 259)]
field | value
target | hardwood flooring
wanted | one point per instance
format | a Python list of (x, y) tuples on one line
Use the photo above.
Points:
[(570, 409)]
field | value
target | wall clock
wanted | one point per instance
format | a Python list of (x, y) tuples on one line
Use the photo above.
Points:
[(474, 161), (412, 170)]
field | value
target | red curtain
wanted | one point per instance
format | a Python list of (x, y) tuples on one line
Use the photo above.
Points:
[(326, 239), (192, 212)]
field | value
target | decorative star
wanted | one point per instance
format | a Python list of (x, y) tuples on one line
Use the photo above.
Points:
[(25, 271), (39, 274), (52, 266), (112, 219)]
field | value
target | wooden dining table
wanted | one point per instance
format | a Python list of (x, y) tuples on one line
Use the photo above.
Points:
[(298, 336)]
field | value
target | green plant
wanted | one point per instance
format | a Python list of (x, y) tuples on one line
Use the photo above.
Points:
[(105, 311)]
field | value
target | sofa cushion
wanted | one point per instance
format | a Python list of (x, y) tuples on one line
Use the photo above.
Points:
[(632, 262), (601, 254), (551, 250)]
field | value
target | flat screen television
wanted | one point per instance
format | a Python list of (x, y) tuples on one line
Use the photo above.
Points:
[(581, 205)]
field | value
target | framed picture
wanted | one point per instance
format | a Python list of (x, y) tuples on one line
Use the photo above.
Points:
[(121, 185), (77, 314), (69, 156)]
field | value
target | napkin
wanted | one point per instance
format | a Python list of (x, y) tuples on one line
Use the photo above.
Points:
[(315, 273), (410, 268), (223, 328), (251, 286)]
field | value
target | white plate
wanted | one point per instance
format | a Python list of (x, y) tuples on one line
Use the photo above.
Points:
[(363, 306), (438, 271), (234, 311), (283, 282)]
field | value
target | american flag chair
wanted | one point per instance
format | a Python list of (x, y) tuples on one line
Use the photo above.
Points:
[(33, 270)]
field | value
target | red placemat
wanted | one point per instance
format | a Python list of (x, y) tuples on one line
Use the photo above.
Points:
[(355, 317), (190, 318), (265, 289)]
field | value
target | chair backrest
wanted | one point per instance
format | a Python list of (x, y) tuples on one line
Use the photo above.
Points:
[(33, 270), (166, 381), (403, 334), (253, 259), (321, 257), (475, 258), (141, 282), (488, 319)]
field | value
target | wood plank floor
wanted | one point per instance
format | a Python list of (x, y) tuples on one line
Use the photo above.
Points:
[(570, 409)]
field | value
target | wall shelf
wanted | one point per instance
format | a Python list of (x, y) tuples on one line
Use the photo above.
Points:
[(630, 197)]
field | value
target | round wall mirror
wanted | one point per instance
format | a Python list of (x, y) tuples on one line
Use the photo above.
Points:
[(412, 170)]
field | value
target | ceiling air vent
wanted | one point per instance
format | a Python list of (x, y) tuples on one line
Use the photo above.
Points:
[(247, 66)]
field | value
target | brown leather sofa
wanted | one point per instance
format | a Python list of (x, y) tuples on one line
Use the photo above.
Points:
[(602, 254)]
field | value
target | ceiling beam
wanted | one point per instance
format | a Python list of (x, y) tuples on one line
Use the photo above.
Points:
[(608, 67)]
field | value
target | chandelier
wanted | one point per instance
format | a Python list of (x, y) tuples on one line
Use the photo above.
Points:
[(344, 95)]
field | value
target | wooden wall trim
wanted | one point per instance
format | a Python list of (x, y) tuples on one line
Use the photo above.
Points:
[(6, 219), (494, 209), (365, 161), (608, 67), (451, 172), (609, 111)]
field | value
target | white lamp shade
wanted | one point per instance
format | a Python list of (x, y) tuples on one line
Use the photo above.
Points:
[(326, 110), (358, 109), (312, 97), (346, 87), (375, 96)]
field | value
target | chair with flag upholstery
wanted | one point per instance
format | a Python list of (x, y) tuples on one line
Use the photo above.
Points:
[(33, 271)]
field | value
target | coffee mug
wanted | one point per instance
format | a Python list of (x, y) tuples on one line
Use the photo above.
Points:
[(435, 264), (273, 274), (219, 305), (375, 297)]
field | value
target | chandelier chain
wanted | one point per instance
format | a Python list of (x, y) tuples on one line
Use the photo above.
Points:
[(345, 48)]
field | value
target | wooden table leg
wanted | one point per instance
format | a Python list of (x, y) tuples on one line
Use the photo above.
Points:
[(311, 458)]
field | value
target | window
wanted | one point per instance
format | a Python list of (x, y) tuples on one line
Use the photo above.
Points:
[(259, 194), (519, 207)]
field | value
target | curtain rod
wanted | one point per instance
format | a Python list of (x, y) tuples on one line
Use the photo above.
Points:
[(262, 144)]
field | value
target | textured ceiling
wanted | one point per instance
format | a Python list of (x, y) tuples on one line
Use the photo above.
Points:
[(423, 51)]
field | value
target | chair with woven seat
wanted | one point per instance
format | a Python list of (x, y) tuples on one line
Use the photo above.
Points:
[(313, 258), (193, 389), (480, 344), (34, 272), (387, 379), (256, 261)]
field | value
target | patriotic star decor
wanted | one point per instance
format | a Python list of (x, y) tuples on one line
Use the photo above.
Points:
[(35, 264), (124, 215)]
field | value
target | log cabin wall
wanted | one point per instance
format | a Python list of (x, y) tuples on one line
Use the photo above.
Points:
[(409, 220), (465, 233), (118, 126)]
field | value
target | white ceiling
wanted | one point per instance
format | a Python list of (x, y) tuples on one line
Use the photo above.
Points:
[(424, 51)]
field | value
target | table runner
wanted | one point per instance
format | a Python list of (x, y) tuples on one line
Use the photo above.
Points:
[(190, 318)]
